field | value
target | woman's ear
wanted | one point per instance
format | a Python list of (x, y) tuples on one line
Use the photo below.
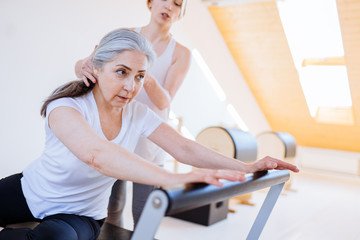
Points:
[(149, 4), (96, 72)]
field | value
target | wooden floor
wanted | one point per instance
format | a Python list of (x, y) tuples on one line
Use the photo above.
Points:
[(323, 207)]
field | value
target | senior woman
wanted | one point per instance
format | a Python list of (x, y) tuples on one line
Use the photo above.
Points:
[(91, 134)]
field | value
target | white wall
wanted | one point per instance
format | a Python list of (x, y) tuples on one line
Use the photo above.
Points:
[(332, 161), (198, 30), (41, 40)]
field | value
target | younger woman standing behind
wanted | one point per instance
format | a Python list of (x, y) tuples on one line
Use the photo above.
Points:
[(164, 79)]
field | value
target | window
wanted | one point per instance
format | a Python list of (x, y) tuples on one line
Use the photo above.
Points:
[(313, 32)]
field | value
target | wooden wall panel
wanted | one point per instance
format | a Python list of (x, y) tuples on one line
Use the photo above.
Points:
[(349, 15), (254, 35)]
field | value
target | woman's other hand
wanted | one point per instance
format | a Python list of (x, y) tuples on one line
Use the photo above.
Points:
[(269, 163), (212, 176)]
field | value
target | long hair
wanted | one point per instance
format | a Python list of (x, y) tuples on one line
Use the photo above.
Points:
[(111, 45)]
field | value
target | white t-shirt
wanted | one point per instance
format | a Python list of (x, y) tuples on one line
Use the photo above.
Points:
[(58, 182)]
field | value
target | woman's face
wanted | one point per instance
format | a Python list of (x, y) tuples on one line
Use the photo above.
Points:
[(121, 79), (167, 11)]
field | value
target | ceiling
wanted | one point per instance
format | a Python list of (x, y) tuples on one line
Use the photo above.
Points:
[(254, 35)]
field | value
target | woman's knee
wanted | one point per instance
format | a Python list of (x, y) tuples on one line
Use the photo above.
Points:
[(67, 226), (54, 229)]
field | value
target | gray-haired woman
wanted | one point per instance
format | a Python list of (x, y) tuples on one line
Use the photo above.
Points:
[(90, 137)]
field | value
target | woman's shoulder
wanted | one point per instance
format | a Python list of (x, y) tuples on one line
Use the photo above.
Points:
[(83, 99), (80, 103), (182, 52)]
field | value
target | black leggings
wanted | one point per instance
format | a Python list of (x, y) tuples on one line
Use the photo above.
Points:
[(14, 209)]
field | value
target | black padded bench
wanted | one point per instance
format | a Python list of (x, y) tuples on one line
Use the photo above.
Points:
[(169, 201)]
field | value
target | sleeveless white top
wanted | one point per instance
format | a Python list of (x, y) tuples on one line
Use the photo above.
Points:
[(145, 148), (158, 71)]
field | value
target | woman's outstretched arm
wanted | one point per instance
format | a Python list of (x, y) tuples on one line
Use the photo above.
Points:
[(195, 154), (115, 161)]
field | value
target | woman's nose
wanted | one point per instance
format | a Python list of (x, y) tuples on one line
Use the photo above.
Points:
[(169, 5), (129, 85)]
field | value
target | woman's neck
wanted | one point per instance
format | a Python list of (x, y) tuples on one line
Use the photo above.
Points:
[(110, 118), (156, 33), (104, 107)]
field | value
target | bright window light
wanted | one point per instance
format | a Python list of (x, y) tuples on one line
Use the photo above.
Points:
[(209, 76), (312, 28), (313, 32), (174, 120), (186, 133), (325, 86), (172, 115), (241, 124)]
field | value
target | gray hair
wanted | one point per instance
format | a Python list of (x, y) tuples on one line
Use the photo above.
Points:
[(118, 41), (112, 44)]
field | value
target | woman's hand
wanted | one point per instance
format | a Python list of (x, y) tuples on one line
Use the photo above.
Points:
[(87, 71), (211, 176), (269, 163)]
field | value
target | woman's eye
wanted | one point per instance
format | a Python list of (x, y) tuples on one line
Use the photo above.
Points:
[(178, 4), (121, 72), (140, 77)]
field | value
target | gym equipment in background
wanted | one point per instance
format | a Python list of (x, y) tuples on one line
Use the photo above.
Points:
[(281, 145), (233, 143)]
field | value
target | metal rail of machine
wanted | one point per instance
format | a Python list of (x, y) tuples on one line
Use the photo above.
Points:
[(165, 202)]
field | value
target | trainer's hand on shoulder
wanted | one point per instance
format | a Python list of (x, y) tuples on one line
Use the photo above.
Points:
[(87, 71)]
